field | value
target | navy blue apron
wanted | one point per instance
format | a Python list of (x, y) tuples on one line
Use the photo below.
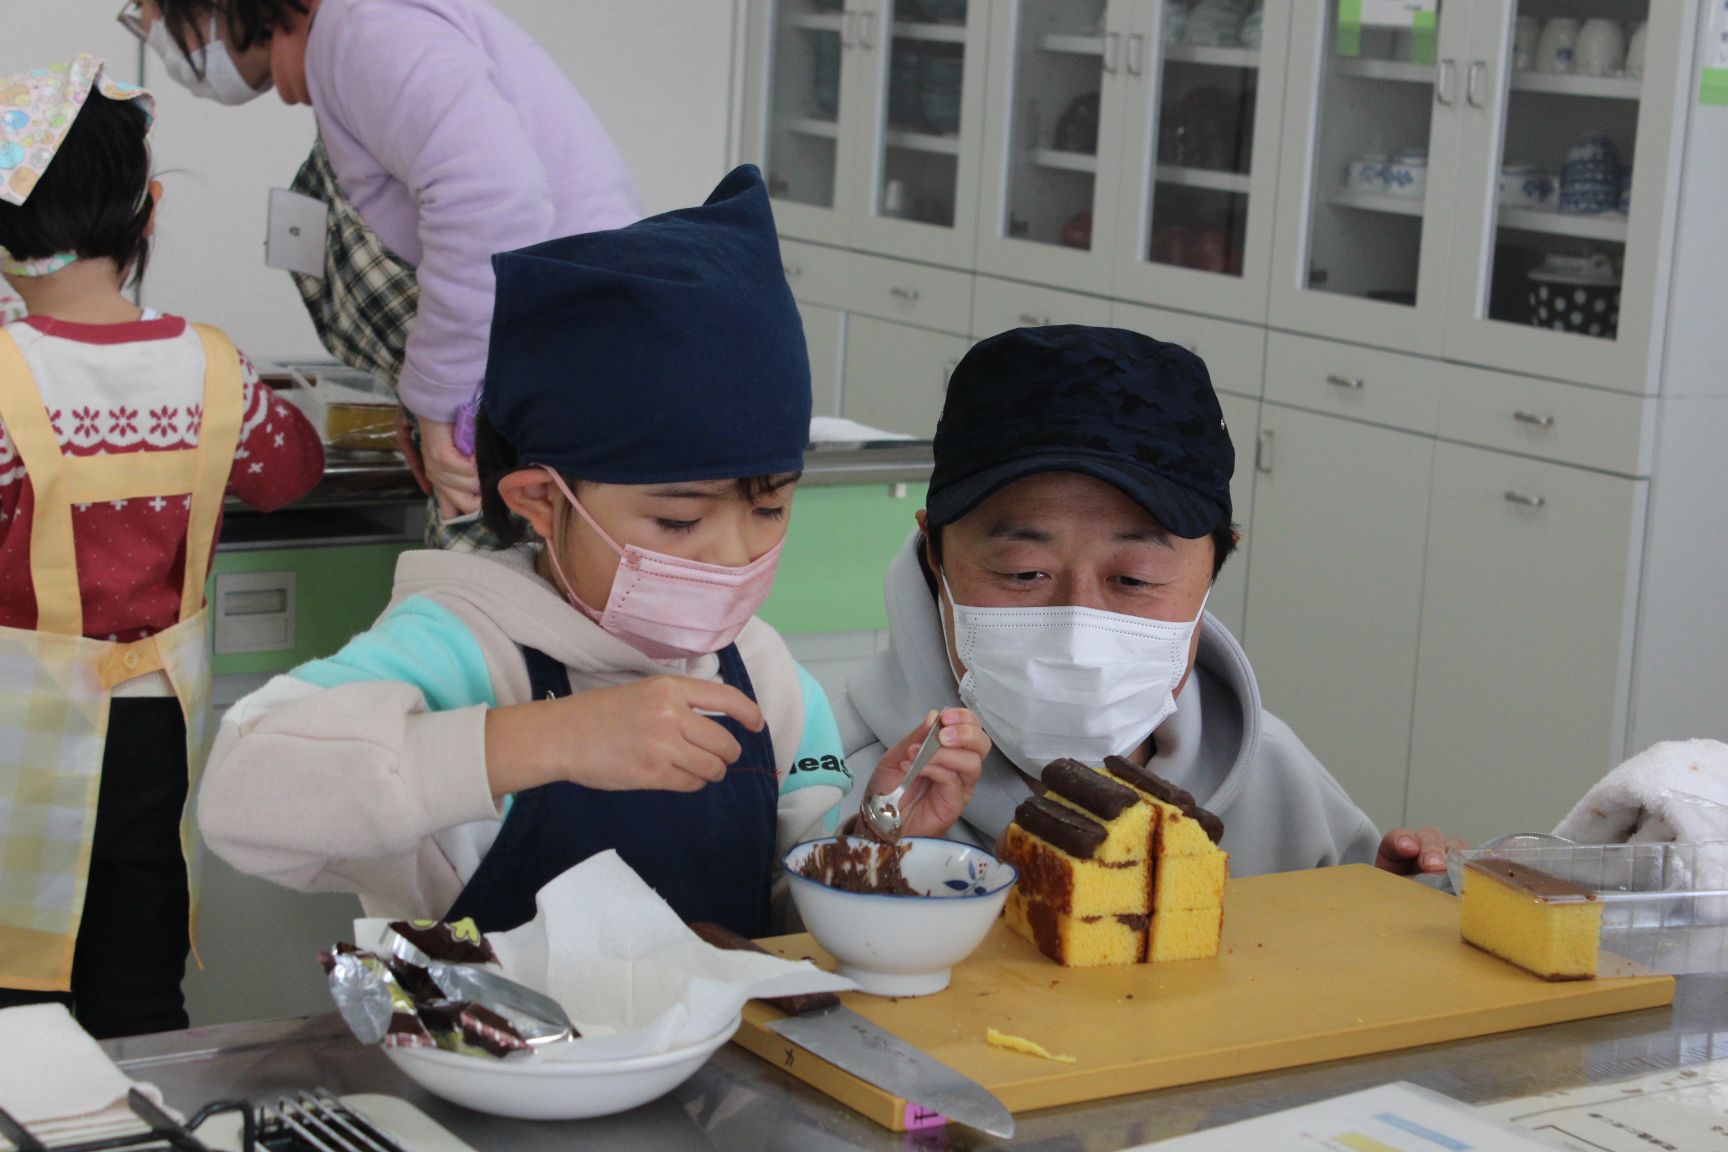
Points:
[(710, 853)]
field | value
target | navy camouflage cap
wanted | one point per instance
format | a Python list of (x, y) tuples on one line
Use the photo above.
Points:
[(1137, 413)]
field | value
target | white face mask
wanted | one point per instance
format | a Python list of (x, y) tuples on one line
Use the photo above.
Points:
[(221, 81), (1068, 681)]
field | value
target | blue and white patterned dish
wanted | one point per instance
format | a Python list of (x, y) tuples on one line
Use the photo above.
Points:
[(905, 945), (1526, 186)]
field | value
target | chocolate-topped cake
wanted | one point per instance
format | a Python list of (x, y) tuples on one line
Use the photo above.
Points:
[(1116, 867), (1546, 925)]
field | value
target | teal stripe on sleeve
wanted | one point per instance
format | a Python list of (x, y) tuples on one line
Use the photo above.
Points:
[(420, 642), (819, 760)]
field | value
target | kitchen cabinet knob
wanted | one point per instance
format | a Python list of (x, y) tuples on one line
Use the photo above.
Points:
[(1349, 383), (867, 30), (1525, 500), (1112, 53), (1443, 83), (1032, 320), (793, 271), (1136, 54), (1263, 453), (1475, 83), (1533, 420), (907, 294), (849, 30)]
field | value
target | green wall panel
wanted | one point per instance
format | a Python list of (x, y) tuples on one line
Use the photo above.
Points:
[(836, 554), (830, 578), (339, 591)]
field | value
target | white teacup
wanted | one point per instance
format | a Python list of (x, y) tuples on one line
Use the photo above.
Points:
[(1601, 48), (1635, 53), (1558, 47), (1526, 34)]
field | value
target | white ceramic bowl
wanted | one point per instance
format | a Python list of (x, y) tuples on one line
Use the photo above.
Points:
[(531, 1089), (905, 945)]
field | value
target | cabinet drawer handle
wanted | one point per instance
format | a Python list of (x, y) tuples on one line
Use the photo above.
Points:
[(1032, 320), (1136, 54), (1473, 83), (793, 271), (867, 30), (849, 30), (1263, 452), (1443, 83), (907, 294), (1352, 383), (1533, 420), (1112, 52), (1526, 500)]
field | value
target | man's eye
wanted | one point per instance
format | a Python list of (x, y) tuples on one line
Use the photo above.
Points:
[(1025, 577), (678, 525)]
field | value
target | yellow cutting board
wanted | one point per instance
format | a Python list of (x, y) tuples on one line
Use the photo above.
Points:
[(1314, 966)]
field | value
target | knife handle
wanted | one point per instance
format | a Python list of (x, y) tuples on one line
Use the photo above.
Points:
[(724, 938)]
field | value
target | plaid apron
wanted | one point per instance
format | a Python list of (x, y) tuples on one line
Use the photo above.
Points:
[(54, 723), (363, 308)]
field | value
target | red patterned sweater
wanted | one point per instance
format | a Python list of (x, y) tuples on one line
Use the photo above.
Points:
[(118, 388)]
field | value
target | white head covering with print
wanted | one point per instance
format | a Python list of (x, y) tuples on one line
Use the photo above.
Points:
[(37, 110)]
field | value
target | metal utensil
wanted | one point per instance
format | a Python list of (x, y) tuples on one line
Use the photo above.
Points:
[(822, 1025), (883, 814), (324, 1124)]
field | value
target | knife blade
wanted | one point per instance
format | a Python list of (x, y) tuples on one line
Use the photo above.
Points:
[(823, 1026)]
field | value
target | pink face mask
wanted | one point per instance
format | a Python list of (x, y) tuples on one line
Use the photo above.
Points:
[(668, 608)]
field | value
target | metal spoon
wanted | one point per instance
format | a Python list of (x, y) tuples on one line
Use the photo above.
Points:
[(883, 814)]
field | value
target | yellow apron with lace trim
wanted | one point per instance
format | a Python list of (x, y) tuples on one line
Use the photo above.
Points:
[(58, 684)]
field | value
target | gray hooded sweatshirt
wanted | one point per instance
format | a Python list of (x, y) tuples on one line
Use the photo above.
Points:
[(1282, 811)]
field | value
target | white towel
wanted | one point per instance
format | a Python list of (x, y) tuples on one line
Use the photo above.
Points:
[(1676, 792), (57, 1082)]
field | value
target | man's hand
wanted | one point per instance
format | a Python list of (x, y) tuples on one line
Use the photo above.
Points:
[(941, 792), (1407, 853)]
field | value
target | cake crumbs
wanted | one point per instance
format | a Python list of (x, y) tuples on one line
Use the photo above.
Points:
[(1020, 1044)]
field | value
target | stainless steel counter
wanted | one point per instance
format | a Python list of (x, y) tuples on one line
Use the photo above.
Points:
[(740, 1102)]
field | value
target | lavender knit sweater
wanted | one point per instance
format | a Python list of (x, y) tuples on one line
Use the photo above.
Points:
[(455, 136)]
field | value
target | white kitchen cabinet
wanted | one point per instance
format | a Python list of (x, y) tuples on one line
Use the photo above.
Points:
[(1527, 640), (866, 118), (1229, 601), (897, 375), (1601, 335), (1001, 305), (1335, 592), (1367, 259), (1118, 153), (825, 334), (1427, 252)]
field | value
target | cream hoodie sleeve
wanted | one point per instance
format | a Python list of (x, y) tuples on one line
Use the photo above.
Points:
[(308, 786)]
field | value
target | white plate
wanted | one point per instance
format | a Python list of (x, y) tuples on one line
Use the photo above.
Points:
[(530, 1089)]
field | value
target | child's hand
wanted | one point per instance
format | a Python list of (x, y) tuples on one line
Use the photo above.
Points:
[(1408, 853), (645, 735), (941, 792)]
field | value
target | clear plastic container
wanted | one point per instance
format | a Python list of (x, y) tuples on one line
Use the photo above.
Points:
[(1665, 906), (354, 411)]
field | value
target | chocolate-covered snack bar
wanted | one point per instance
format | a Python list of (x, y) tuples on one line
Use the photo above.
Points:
[(1089, 789), (470, 1029), (1162, 789), (1063, 827), (458, 943)]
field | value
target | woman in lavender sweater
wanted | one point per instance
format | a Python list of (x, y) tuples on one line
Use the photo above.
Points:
[(452, 135)]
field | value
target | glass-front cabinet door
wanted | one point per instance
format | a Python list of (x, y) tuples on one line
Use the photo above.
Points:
[(1565, 199), (803, 60), (1371, 143), (924, 63), (1205, 82), (1053, 134)]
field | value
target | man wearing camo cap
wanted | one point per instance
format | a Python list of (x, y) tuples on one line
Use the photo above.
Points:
[(1078, 515)]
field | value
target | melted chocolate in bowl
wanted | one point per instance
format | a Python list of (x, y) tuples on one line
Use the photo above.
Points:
[(851, 864)]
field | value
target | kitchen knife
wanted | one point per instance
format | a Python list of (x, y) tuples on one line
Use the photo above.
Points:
[(824, 1026)]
